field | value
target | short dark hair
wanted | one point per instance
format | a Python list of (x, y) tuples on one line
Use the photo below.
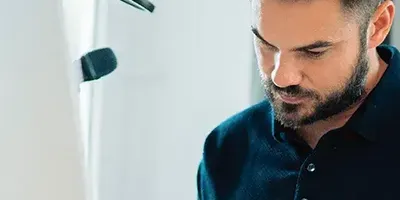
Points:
[(361, 10)]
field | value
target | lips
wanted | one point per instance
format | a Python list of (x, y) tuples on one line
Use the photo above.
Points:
[(291, 99)]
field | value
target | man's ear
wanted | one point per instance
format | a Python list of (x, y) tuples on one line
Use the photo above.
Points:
[(381, 23)]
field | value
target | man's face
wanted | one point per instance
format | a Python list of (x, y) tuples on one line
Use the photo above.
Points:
[(313, 62)]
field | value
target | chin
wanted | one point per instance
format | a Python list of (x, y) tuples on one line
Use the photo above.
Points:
[(292, 116)]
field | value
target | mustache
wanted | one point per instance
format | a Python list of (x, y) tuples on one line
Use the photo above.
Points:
[(293, 90)]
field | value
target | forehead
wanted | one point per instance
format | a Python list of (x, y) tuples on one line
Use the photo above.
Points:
[(287, 24)]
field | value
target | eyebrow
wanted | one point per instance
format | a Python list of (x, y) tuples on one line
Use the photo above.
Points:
[(314, 45)]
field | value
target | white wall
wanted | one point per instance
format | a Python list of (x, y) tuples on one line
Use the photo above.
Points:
[(183, 69), (79, 17), (40, 150), (79, 29)]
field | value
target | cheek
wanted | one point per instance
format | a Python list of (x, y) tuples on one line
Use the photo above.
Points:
[(328, 75), (334, 71)]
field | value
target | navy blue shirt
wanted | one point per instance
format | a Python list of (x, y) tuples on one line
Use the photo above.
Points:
[(251, 157)]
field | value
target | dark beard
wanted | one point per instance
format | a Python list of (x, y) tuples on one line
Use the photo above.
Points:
[(337, 102)]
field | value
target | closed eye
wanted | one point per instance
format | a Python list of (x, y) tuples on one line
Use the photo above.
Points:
[(313, 54)]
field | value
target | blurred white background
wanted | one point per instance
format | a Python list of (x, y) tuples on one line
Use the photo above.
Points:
[(182, 70)]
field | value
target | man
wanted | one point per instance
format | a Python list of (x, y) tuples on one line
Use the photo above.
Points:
[(329, 127)]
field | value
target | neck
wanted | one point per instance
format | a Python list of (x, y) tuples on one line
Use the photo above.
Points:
[(312, 133)]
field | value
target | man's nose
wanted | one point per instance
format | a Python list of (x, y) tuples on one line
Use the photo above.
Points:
[(285, 72)]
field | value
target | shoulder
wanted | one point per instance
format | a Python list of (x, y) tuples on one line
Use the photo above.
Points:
[(227, 147), (234, 130)]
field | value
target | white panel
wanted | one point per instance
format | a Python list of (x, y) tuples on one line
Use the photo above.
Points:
[(182, 70), (79, 29), (79, 16), (40, 149)]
